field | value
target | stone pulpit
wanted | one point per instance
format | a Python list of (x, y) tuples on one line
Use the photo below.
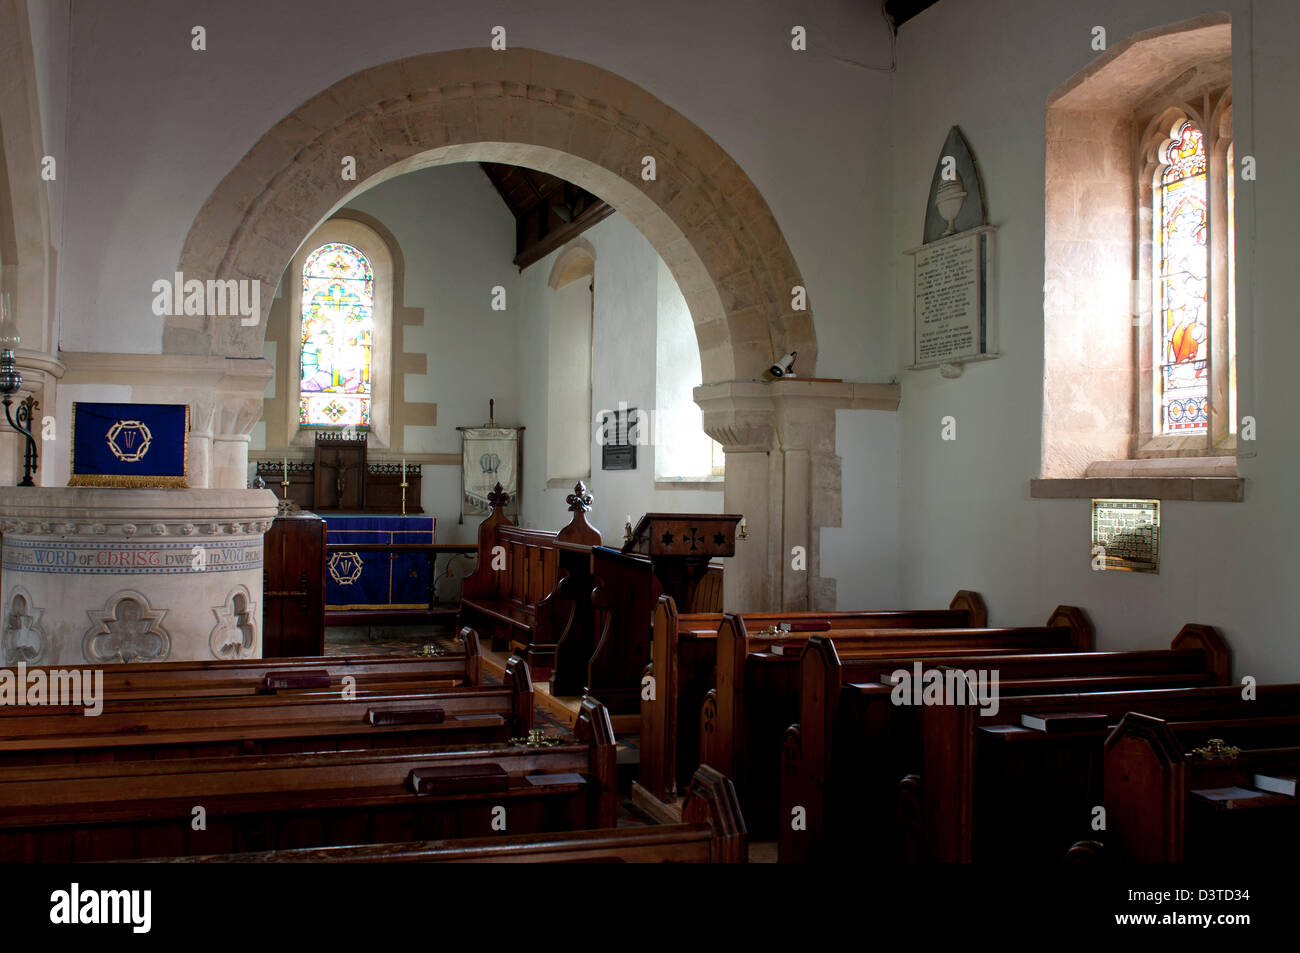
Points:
[(680, 546)]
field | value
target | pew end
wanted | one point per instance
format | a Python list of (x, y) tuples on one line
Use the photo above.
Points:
[(519, 680), (1143, 785), (1074, 619), (1212, 644), (910, 818), (791, 844), (710, 752), (973, 603), (711, 799), (594, 726), (469, 641)]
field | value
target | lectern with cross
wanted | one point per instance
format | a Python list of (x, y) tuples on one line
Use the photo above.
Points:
[(680, 546)]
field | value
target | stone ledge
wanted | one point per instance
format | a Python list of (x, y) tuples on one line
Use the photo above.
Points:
[(1194, 489), (716, 484)]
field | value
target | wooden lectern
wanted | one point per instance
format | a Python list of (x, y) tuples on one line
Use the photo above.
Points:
[(680, 545)]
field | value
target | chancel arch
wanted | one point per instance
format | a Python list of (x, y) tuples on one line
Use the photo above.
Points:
[(524, 107), (700, 212)]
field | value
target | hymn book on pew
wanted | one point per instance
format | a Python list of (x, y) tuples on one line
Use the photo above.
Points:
[(1276, 783), (1055, 721), (1228, 797)]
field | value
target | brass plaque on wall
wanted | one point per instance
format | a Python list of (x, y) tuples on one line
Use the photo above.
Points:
[(1126, 535)]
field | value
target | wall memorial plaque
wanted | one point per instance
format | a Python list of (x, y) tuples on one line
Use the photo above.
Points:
[(1126, 535), (953, 270)]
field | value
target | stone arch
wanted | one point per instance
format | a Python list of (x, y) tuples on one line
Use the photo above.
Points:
[(577, 259), (701, 212)]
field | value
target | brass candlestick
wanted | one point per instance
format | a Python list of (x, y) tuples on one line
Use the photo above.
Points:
[(284, 488), (404, 486)]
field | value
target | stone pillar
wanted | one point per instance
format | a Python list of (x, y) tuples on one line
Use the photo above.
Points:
[(109, 574), (233, 426), (783, 475)]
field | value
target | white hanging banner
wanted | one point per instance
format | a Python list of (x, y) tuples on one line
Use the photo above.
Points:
[(490, 456)]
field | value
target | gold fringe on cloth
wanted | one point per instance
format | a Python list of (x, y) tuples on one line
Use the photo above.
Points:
[(133, 482)]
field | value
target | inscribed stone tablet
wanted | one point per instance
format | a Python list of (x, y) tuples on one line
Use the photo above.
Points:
[(950, 300)]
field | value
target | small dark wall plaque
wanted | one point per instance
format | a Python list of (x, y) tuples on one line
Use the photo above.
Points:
[(618, 430)]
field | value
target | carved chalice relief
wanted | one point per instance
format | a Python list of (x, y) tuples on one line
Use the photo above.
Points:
[(948, 199)]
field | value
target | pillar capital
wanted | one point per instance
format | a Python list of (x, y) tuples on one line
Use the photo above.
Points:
[(783, 475)]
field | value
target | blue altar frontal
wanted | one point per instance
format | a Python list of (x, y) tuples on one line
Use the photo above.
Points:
[(377, 580)]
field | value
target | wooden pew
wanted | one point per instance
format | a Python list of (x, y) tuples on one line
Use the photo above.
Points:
[(1155, 791), (708, 594), (843, 760), (218, 677), (757, 695), (683, 654), (514, 594), (626, 590), (159, 729), (711, 831), (134, 809), (990, 787)]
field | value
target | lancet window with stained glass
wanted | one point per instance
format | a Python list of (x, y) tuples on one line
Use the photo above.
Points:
[(1182, 282), (338, 298)]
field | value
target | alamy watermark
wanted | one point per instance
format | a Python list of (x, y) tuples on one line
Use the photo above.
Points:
[(946, 686), (76, 906), (70, 687), (216, 297)]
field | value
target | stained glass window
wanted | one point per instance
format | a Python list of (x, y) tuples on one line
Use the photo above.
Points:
[(1182, 281), (338, 298)]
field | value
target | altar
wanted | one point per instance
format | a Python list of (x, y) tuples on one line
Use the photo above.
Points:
[(377, 580)]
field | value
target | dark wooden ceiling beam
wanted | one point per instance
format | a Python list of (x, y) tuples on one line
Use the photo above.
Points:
[(539, 230), (505, 196), (539, 249)]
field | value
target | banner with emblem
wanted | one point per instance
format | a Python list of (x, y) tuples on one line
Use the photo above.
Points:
[(134, 445), (490, 456)]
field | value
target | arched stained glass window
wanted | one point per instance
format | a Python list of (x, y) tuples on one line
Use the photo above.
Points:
[(1182, 282), (338, 298)]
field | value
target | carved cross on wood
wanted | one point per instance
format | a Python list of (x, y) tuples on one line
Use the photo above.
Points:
[(341, 470)]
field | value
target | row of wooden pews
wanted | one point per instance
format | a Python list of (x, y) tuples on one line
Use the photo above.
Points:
[(162, 680), (993, 787), (1077, 754), (856, 753), (684, 660), (711, 831), (758, 685), (219, 758)]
